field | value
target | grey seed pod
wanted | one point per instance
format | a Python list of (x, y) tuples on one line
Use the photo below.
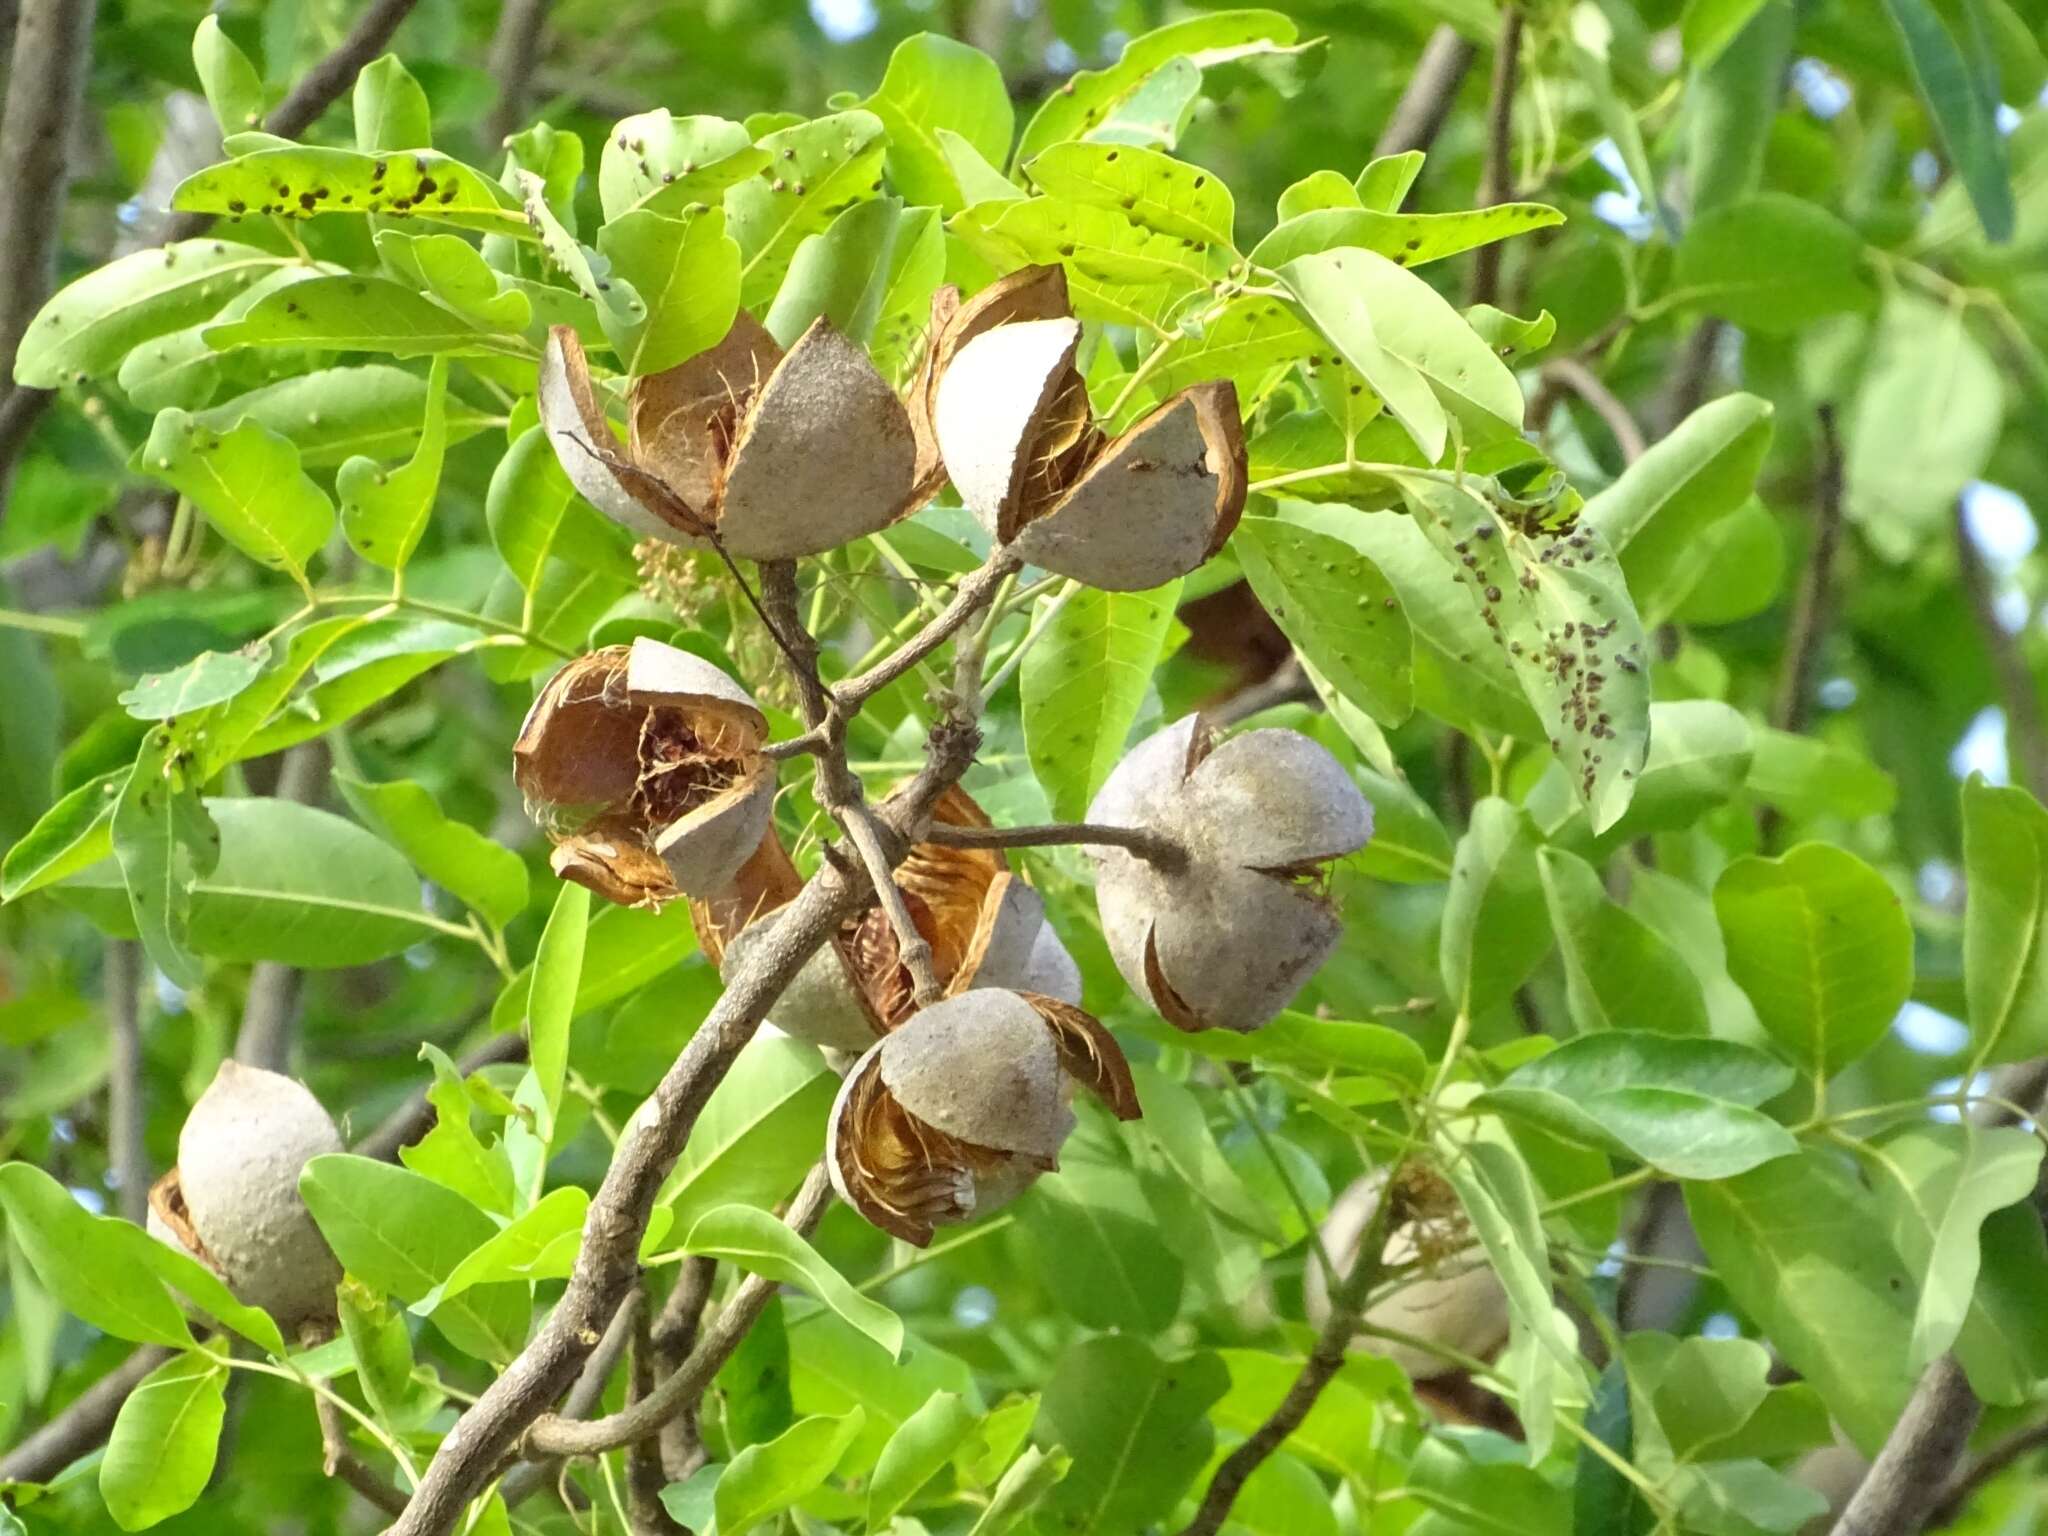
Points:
[(822, 1003), (1456, 1301), (1227, 936), (233, 1199)]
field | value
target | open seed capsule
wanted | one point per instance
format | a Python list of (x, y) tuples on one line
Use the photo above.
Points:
[(643, 765), (776, 454), (1226, 937), (960, 1108), (1007, 410), (232, 1201)]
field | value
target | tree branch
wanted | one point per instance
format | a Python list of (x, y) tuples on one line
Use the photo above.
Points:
[(339, 1459), (558, 1436), (1955, 1498), (270, 1007), (1500, 147), (1808, 628), (1152, 846), (525, 1481), (1287, 684), (1569, 373), (83, 1425), (1425, 105), (515, 54), (127, 1114), (969, 598), (645, 1477), (1347, 1310), (2026, 744), (415, 1117)]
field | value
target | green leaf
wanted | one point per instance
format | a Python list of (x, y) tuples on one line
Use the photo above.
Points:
[(529, 495), (382, 1347), (934, 85), (1709, 26), (1176, 1123), (330, 413), (1734, 103), (233, 88), (1155, 191), (1701, 753), (1251, 342), (1927, 413), (450, 1153), (452, 270), (1822, 946), (402, 1233), (384, 512), (661, 163), (1023, 1488), (1495, 926), (1772, 263), (1963, 110), (1939, 1184), (754, 1240), (248, 482), (1344, 296), (356, 314), (83, 1260), (917, 1453), (763, 1480), (1801, 1246), (207, 678), (93, 324), (1804, 776), (1083, 683), (2005, 869), (1093, 98), (1336, 607), (1117, 271), (1499, 1197), (1318, 189), (164, 842), (551, 1002), (1384, 183), (625, 948), (390, 108), (1687, 1107), (687, 274), (1618, 972), (917, 265), (73, 834), (1135, 1425), (843, 273), (2003, 1347), (1603, 1500), (300, 180), (1405, 239), (160, 1455), (538, 1244), (1095, 1240), (1561, 610), (478, 871), (814, 170), (762, 1128)]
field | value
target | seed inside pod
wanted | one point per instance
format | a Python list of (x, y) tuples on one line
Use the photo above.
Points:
[(959, 1109), (1006, 406), (643, 765), (233, 1203), (1225, 937), (774, 454)]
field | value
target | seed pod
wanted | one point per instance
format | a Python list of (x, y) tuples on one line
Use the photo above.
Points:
[(957, 1111), (1006, 407), (643, 765), (1226, 937), (984, 925), (232, 1201), (774, 454), (1455, 1299)]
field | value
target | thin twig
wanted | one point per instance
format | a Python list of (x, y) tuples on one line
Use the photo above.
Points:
[(913, 949), (1955, 1498), (969, 598), (1497, 182), (1153, 846), (271, 1006), (1571, 374), (515, 54), (127, 1112), (1286, 684), (339, 1459), (645, 1476), (557, 1436), (2026, 744), (1347, 1308), (525, 1481), (1810, 612), (1425, 105), (680, 1448)]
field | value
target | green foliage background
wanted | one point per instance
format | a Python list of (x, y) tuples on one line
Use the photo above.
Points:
[(292, 495)]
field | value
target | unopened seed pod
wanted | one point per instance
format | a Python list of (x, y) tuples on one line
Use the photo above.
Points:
[(986, 928), (955, 1113), (1009, 415), (643, 765), (232, 1201), (774, 454), (1225, 935), (1454, 1299)]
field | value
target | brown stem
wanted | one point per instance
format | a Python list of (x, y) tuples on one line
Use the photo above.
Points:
[(679, 1448), (127, 1114), (1153, 847), (339, 1459), (1569, 373), (558, 1436), (1793, 705), (1287, 684), (2027, 746), (1426, 103), (515, 54), (525, 1481), (969, 598), (1498, 180), (1325, 1359), (1955, 1498), (645, 1477)]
